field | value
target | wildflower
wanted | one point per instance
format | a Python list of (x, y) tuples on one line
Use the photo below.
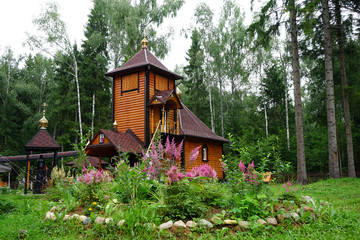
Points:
[(106, 197), (204, 170), (90, 209), (94, 203), (242, 166), (284, 186), (115, 200), (194, 153), (288, 183)]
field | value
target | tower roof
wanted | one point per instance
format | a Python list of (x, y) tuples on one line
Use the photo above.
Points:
[(142, 59), (42, 141)]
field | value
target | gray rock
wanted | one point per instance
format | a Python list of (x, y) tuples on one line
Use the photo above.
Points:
[(230, 222), (109, 220), (179, 224), (53, 209), (271, 221), (66, 217), (82, 218), (190, 224), (121, 222), (309, 199), (261, 221), (87, 221), (280, 218), (295, 216), (99, 220), (243, 224), (206, 223), (50, 216), (75, 216), (166, 225)]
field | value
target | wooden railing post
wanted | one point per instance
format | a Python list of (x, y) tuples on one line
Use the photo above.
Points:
[(163, 120), (177, 122)]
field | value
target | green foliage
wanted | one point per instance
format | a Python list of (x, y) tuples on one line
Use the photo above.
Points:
[(249, 206)]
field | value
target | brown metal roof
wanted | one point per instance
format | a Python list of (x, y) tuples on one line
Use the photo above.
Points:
[(143, 58), (119, 141), (191, 125), (42, 141)]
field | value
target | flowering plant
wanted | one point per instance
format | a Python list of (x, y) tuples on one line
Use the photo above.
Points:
[(288, 188), (204, 170)]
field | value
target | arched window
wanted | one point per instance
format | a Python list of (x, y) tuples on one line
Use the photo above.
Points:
[(205, 153)]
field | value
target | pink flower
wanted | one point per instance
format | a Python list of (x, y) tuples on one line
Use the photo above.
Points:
[(251, 165), (106, 197), (288, 183), (242, 166), (194, 153), (284, 186), (287, 190), (295, 189)]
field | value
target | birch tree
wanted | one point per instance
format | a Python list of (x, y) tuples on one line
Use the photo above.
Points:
[(54, 36)]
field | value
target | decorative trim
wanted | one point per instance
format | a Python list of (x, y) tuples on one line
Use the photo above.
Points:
[(206, 149)]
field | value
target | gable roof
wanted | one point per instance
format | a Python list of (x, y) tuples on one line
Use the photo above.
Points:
[(42, 141), (161, 97), (141, 59), (191, 125), (118, 141)]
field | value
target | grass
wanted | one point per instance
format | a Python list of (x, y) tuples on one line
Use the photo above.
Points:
[(339, 219)]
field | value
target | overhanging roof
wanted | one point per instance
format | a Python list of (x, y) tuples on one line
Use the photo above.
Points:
[(42, 141)]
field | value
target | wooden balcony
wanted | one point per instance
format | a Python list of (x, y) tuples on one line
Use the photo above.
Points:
[(168, 127)]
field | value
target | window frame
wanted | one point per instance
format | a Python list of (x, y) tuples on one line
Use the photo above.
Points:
[(206, 149)]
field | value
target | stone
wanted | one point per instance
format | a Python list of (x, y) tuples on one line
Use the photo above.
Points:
[(22, 234), (261, 221), (308, 209), (99, 220), (53, 209), (271, 221), (121, 222), (295, 216), (166, 225), (309, 199), (82, 218), (244, 224), (206, 223), (109, 220), (50, 216), (190, 224), (280, 218), (75, 216), (150, 225), (179, 224), (216, 220), (87, 221), (230, 222), (66, 217)]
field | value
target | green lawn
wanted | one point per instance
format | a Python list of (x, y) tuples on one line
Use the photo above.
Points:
[(339, 219)]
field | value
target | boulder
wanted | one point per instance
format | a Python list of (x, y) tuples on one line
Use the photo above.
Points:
[(82, 218), (120, 223), (230, 222), (310, 200), (206, 223), (99, 220), (280, 218), (66, 217), (244, 224), (87, 221), (179, 224), (308, 209), (50, 216), (261, 221), (75, 216), (190, 224), (295, 216), (271, 221), (109, 220), (166, 225)]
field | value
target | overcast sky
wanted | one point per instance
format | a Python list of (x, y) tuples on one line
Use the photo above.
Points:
[(16, 19)]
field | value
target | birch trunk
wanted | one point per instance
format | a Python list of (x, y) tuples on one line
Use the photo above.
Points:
[(93, 116), (77, 91), (221, 107), (301, 176), (345, 93), (334, 171), (266, 122)]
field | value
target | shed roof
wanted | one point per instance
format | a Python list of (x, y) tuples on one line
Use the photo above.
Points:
[(42, 141), (141, 59), (191, 125)]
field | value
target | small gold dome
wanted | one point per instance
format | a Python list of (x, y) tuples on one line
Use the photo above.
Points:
[(178, 93), (144, 42), (115, 125), (43, 122)]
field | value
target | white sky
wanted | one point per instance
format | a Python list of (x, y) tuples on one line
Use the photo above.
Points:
[(16, 19)]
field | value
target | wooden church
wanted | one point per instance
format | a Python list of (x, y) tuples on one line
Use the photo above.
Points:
[(147, 101)]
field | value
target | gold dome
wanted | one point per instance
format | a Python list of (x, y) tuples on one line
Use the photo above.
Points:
[(43, 122), (178, 93), (144, 42), (115, 125)]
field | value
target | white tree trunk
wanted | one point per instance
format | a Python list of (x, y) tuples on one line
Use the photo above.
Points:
[(334, 171), (266, 122), (93, 116)]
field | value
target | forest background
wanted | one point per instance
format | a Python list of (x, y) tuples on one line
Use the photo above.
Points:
[(241, 80)]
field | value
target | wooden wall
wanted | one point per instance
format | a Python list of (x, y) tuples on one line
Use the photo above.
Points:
[(214, 154), (129, 106)]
